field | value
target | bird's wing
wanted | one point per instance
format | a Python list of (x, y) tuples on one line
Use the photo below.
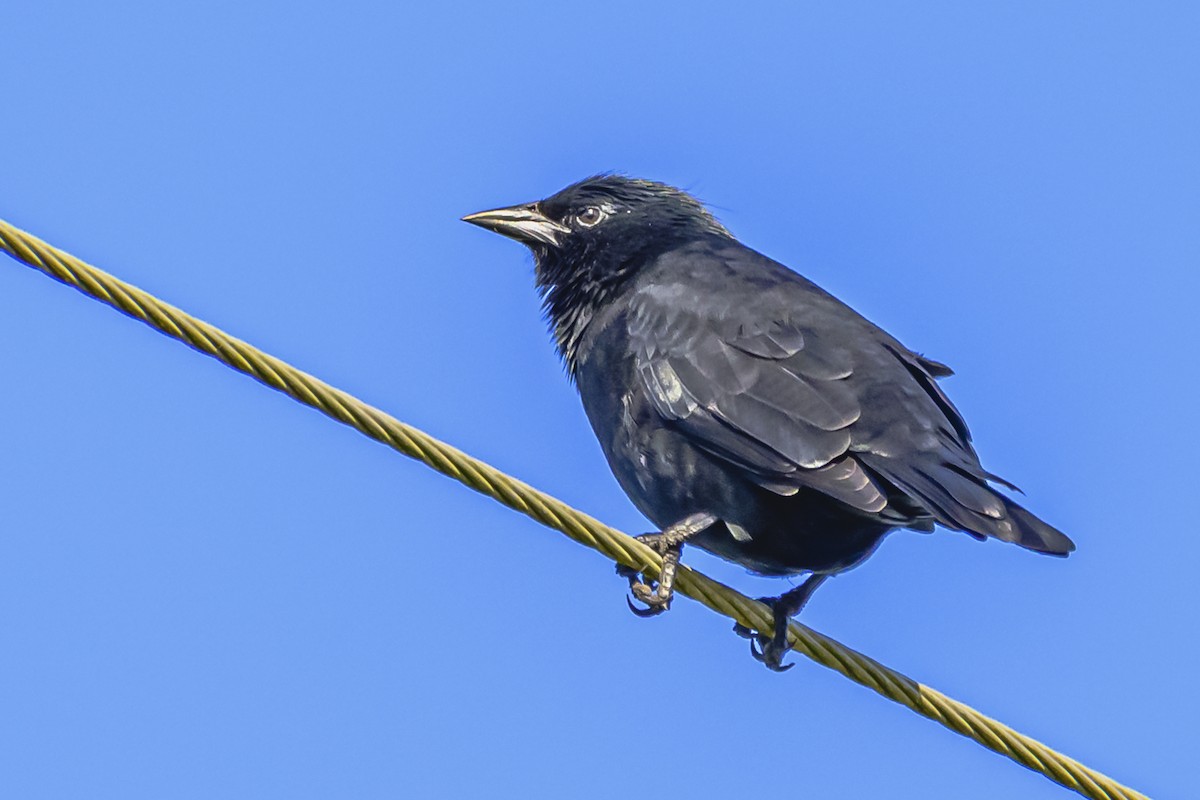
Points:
[(761, 392), (796, 390)]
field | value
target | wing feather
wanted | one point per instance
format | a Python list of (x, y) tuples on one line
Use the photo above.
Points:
[(830, 403), (757, 398)]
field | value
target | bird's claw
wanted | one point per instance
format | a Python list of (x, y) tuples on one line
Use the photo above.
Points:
[(656, 603), (652, 609), (765, 649), (768, 650), (770, 653), (657, 594)]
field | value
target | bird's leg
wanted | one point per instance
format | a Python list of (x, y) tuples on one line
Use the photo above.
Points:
[(770, 650), (669, 544)]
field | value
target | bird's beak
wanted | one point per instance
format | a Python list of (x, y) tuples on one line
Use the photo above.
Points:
[(524, 223)]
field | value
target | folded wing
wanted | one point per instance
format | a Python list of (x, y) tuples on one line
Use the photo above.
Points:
[(835, 406)]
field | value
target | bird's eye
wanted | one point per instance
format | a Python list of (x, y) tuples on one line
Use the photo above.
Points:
[(590, 216)]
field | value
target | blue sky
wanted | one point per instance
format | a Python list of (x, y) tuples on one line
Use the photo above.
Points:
[(207, 590)]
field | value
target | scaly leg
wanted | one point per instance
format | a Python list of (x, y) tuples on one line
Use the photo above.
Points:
[(669, 544)]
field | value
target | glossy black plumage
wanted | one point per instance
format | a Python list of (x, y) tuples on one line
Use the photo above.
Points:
[(720, 381)]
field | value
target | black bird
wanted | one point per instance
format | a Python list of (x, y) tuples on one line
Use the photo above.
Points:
[(740, 406)]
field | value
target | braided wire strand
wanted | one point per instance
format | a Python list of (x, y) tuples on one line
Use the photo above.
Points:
[(552, 512)]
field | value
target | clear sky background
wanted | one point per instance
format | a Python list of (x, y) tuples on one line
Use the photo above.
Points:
[(208, 590)]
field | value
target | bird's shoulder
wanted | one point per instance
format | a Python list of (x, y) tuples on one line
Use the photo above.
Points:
[(718, 288)]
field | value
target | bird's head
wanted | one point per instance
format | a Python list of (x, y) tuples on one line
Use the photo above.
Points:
[(600, 224), (591, 238)]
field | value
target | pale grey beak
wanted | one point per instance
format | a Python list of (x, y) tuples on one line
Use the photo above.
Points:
[(524, 223)]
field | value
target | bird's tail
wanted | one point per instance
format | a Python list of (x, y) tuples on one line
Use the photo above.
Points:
[(964, 501), (1035, 534)]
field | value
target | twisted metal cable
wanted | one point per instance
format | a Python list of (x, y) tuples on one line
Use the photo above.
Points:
[(553, 513)]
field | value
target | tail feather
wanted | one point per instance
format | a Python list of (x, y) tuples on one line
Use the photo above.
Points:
[(966, 503), (1038, 535)]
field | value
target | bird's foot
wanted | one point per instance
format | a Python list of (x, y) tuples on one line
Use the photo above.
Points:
[(770, 650), (656, 594)]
